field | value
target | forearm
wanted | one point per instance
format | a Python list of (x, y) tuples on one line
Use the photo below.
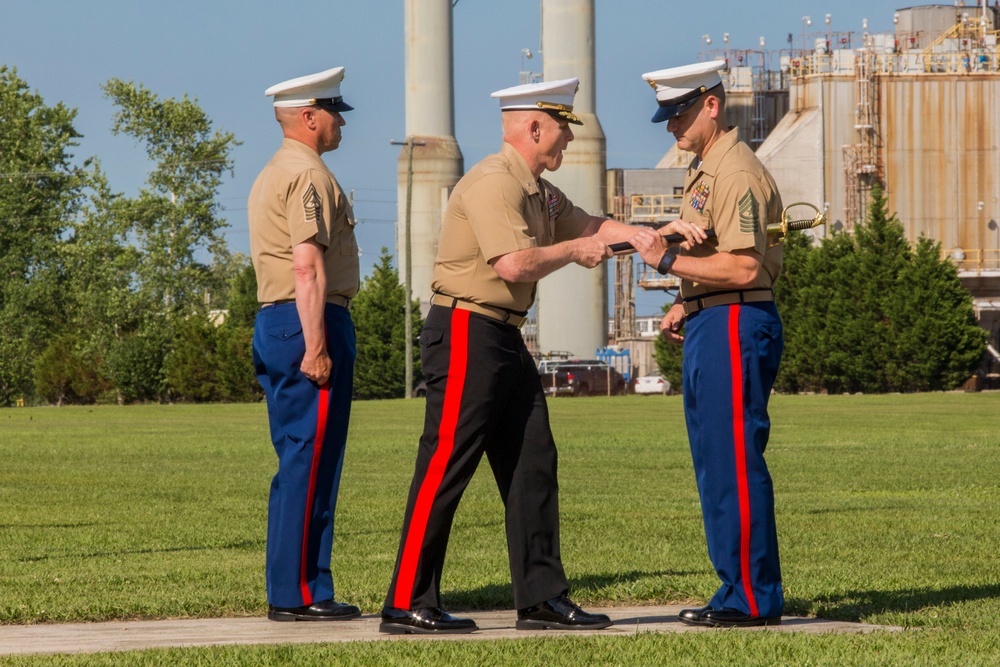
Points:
[(609, 231), (723, 270), (532, 264)]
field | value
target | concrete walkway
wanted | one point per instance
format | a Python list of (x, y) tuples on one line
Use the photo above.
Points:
[(138, 635)]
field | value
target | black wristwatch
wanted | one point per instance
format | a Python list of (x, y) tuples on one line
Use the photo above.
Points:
[(667, 260)]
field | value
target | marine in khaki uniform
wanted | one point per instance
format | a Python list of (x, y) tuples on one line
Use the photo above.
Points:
[(732, 345), (306, 260), (730, 192), (505, 228), (500, 208)]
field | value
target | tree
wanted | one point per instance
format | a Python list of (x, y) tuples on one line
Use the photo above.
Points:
[(938, 342), (101, 271), (174, 228), (815, 297), (191, 369), (237, 379), (380, 321), (788, 291), (866, 312), (669, 357), (88, 276), (212, 363), (883, 254), (241, 302), (66, 374), (175, 219), (135, 363), (39, 190)]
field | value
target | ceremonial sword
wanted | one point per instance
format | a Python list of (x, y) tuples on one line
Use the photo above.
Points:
[(780, 229)]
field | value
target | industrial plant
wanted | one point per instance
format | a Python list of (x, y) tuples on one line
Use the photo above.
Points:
[(914, 111)]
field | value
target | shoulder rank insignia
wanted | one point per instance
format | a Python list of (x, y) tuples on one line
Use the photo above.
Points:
[(312, 205), (749, 214), (699, 196)]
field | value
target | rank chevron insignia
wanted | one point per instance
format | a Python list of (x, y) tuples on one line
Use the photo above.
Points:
[(312, 205), (749, 214)]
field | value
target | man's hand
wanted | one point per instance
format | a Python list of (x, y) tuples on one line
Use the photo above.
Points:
[(590, 251), (531, 264), (649, 245), (671, 323), (316, 366), (693, 234), (310, 302)]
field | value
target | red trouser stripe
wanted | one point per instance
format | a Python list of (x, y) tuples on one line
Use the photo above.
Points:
[(739, 442), (324, 401), (457, 364)]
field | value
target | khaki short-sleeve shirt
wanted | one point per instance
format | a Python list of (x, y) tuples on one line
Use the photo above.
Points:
[(499, 207), (731, 192), (294, 199)]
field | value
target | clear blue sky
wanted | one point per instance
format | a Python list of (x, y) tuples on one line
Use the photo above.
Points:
[(224, 53)]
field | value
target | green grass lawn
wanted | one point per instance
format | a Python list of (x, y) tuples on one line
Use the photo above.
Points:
[(887, 513)]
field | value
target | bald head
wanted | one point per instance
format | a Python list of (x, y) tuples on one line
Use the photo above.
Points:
[(519, 124), (538, 136), (318, 128)]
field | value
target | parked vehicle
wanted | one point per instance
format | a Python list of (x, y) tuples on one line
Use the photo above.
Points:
[(652, 384), (546, 365), (587, 377)]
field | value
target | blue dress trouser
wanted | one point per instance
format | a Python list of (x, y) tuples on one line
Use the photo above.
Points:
[(309, 431), (731, 357)]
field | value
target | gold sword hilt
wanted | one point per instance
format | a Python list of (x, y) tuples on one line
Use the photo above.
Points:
[(779, 229)]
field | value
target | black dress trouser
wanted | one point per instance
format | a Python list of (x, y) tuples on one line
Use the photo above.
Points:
[(484, 395)]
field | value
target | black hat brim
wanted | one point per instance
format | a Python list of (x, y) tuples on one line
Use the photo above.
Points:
[(678, 105), (337, 104), (673, 110)]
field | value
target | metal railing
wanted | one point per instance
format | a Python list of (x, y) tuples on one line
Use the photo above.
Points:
[(653, 208), (650, 279), (970, 61), (974, 260)]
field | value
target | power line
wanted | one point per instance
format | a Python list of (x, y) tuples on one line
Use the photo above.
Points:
[(33, 174)]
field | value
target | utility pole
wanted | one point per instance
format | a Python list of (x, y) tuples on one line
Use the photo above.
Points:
[(408, 273)]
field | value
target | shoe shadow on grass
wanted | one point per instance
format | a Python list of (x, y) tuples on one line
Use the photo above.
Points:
[(857, 605), (500, 596)]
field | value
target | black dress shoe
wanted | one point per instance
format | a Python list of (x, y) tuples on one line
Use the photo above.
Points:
[(694, 616), (423, 621), (559, 613), (734, 618), (327, 610)]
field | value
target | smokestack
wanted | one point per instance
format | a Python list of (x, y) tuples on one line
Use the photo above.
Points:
[(430, 120), (573, 302)]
